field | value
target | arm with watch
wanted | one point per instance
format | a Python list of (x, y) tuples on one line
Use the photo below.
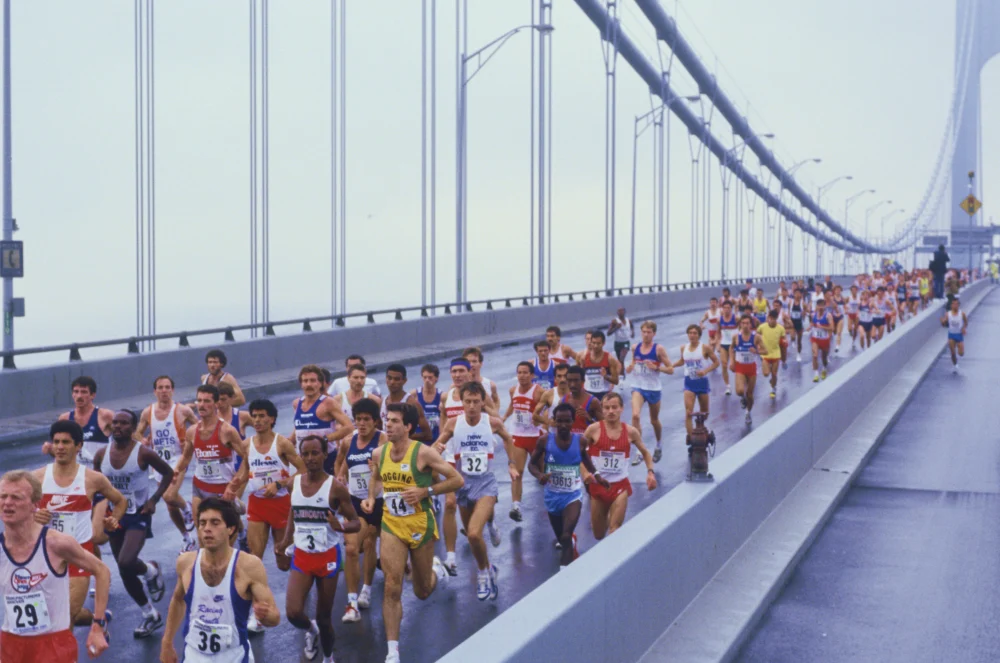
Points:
[(589, 473), (431, 461)]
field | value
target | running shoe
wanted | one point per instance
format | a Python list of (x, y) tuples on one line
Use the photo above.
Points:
[(155, 586), (312, 645), (392, 657), (749, 420), (657, 455), (450, 567), (558, 545), (494, 533), (191, 545), (188, 518), (439, 568), (743, 402), (728, 390), (483, 586), (798, 359), (773, 395), (365, 598), (815, 377), (148, 625), (636, 459), (515, 513), (494, 585), (254, 626), (823, 375), (351, 614), (836, 350)]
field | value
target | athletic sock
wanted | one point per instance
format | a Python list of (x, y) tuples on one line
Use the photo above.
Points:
[(366, 588), (151, 571), (148, 610), (516, 505), (393, 646), (450, 558), (352, 598)]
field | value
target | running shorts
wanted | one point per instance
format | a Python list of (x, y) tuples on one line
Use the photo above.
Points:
[(273, 511), (837, 318), (772, 362), (745, 369), (556, 503), (649, 395), (867, 326), (598, 395), (76, 571), (206, 490), (878, 322), (697, 385), (611, 493), (526, 443), (477, 487), (915, 298), (711, 333), (415, 530), (375, 517), (958, 338), (621, 346), (59, 646), (797, 324), (133, 521), (319, 565), (821, 343)]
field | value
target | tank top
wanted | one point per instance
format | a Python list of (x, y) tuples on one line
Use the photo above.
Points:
[(215, 627), (579, 423), (524, 407), (432, 411), (624, 331), (359, 474), (266, 468), (853, 302), (205, 380), (563, 466), (94, 438), (795, 311), (611, 456), (471, 448), (167, 434), (694, 361), (864, 312), (712, 319), (310, 515), (35, 595), (384, 413), (70, 506), (727, 328), (644, 377), (593, 383), (557, 355), (131, 481), (397, 477), (819, 332), (307, 422), (345, 404), (545, 379), (955, 322), (234, 421), (452, 404), (213, 460), (742, 349)]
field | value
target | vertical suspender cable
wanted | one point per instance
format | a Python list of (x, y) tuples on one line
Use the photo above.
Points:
[(433, 153), (151, 171), (423, 153), (534, 145), (139, 309), (265, 169), (254, 293), (343, 156), (334, 197)]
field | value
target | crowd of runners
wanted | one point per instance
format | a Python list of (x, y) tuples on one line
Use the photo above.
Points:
[(369, 478)]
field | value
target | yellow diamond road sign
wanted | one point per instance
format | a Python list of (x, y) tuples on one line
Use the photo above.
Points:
[(970, 204)]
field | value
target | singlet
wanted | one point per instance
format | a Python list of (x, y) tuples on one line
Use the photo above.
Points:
[(310, 515), (167, 434), (213, 460), (205, 380), (359, 474), (234, 421), (557, 355), (852, 303), (795, 311), (579, 423), (346, 406), (397, 477), (545, 379), (694, 361), (266, 468), (955, 322), (452, 404), (432, 411), (384, 413), (593, 382), (864, 312), (215, 627), (563, 466), (524, 407), (471, 448), (712, 319), (819, 332), (925, 286), (624, 332), (838, 307), (35, 595), (743, 349), (307, 422), (131, 481), (94, 439), (644, 377), (727, 328), (760, 307), (611, 456), (70, 506)]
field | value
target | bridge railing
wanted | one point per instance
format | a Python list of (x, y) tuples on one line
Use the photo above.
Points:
[(134, 344)]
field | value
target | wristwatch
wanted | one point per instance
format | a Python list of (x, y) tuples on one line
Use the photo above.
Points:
[(430, 491), (103, 623)]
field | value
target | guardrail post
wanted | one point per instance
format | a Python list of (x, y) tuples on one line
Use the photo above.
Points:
[(307, 326), (74, 353), (8, 362), (229, 334), (183, 341), (506, 303), (541, 299), (583, 294), (371, 318), (399, 314), (133, 346), (468, 308), (556, 300), (524, 302), (489, 306), (447, 309), (269, 330), (340, 322), (423, 313), (571, 296)]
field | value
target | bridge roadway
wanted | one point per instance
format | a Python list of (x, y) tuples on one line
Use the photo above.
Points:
[(526, 556), (906, 570)]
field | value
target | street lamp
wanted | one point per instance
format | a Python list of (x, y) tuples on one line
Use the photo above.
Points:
[(886, 218), (791, 171), (867, 215), (481, 56), (847, 206)]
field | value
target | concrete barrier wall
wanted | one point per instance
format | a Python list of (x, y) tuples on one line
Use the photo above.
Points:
[(24, 391), (615, 601)]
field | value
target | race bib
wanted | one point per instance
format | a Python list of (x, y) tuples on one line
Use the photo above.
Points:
[(397, 506), (691, 371), (311, 537), (64, 522), (611, 462), (475, 463), (27, 614), (208, 469), (744, 357), (727, 336), (358, 478), (564, 478), (595, 382), (819, 333), (209, 639), (130, 507), (522, 419)]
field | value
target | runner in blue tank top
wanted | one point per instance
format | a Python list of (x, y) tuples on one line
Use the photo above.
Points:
[(555, 462), (430, 400), (546, 377)]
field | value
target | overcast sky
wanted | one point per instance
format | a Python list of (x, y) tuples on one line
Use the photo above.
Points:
[(861, 84)]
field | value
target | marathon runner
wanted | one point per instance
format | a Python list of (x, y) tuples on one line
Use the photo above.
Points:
[(760, 307), (357, 377), (851, 304), (342, 384), (544, 368), (321, 513), (623, 331), (468, 442), (552, 396), (822, 328), (95, 421), (586, 407), (215, 361), (710, 322), (524, 398), (558, 352), (126, 463), (693, 357), (609, 443), (475, 358), (957, 323), (771, 336), (163, 426), (865, 319), (353, 468), (601, 369), (216, 589), (404, 474), (555, 462), (316, 413), (235, 417), (68, 491), (838, 311), (798, 312), (649, 359), (429, 399), (729, 324), (746, 348), (35, 591), (879, 306), (395, 381)]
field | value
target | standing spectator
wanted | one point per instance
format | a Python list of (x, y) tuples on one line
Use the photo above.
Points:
[(939, 266)]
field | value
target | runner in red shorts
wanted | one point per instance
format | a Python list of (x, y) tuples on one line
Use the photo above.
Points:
[(609, 443), (524, 398), (822, 330), (743, 363)]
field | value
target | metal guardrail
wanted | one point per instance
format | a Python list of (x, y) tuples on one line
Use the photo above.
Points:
[(132, 343)]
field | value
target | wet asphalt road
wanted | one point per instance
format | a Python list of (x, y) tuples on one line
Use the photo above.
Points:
[(526, 557), (906, 569)]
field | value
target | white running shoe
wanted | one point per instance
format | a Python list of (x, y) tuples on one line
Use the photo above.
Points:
[(748, 419), (494, 586), (365, 598), (483, 586), (728, 390), (312, 642), (392, 657), (253, 625), (494, 533), (450, 567), (439, 568), (798, 359), (351, 614)]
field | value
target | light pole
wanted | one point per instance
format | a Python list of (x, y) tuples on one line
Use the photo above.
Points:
[(819, 198), (649, 119), (867, 215), (886, 218), (847, 207), (805, 235), (726, 179), (8, 188), (481, 56)]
